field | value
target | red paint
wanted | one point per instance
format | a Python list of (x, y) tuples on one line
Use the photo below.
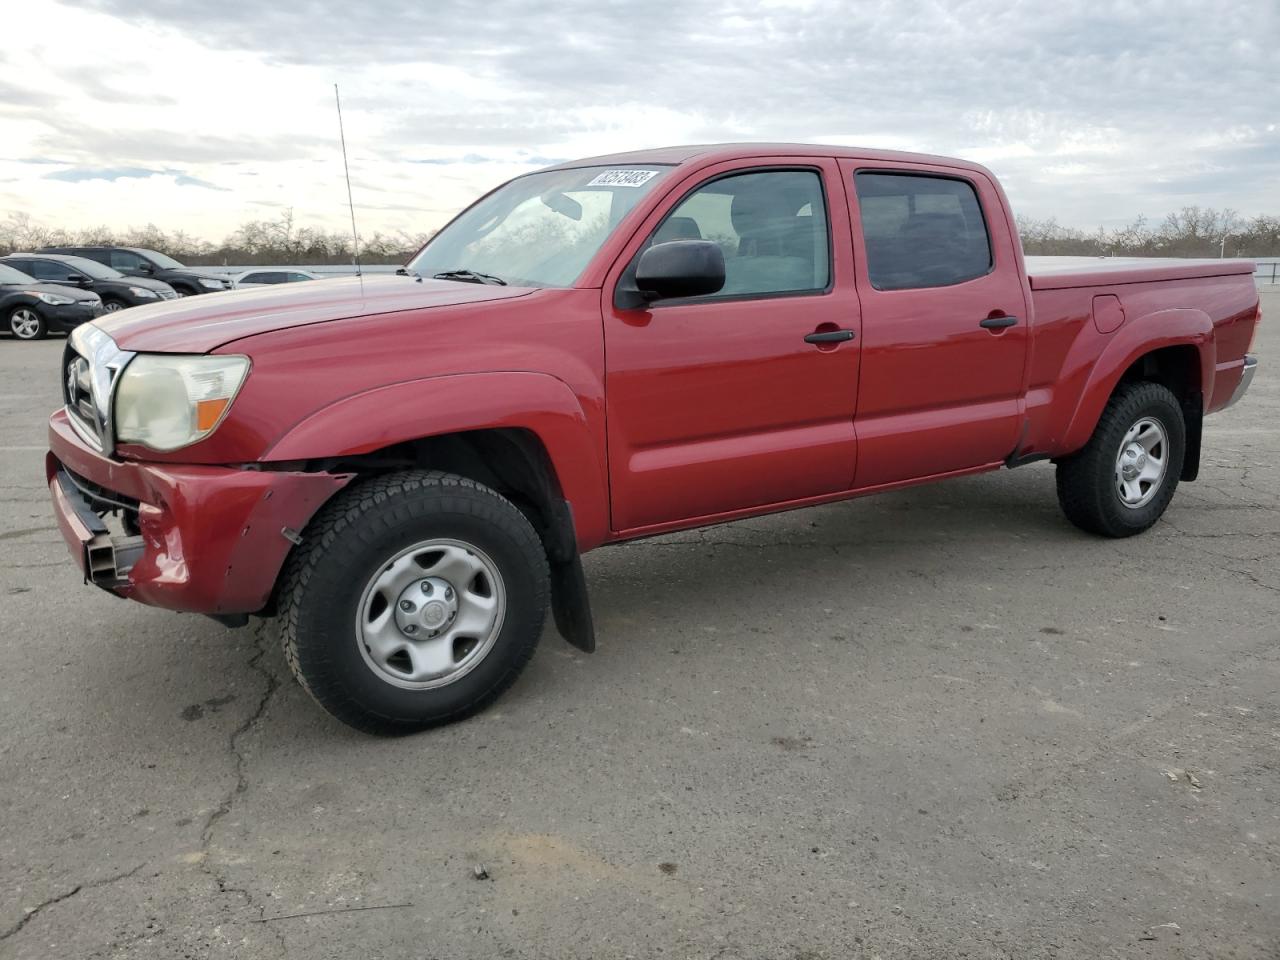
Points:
[(656, 419), (1108, 314), (213, 534)]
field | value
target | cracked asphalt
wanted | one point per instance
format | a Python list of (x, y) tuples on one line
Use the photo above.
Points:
[(932, 724)]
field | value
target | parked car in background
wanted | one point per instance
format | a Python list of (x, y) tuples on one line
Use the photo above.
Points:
[(137, 262), (264, 277), (31, 309), (116, 290)]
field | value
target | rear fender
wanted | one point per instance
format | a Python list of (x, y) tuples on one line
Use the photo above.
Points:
[(435, 406), (1155, 331)]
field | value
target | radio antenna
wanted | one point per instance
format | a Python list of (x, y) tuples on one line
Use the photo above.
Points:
[(355, 236)]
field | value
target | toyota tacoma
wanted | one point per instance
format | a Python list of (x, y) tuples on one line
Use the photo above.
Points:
[(402, 472)]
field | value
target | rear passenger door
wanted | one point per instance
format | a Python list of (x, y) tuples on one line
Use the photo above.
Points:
[(944, 321)]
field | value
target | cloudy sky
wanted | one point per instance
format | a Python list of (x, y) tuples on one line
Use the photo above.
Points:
[(198, 116)]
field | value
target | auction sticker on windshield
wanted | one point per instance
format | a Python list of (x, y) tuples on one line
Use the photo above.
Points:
[(622, 178)]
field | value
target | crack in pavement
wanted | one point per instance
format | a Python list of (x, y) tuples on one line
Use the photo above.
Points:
[(35, 911), (26, 532), (242, 780)]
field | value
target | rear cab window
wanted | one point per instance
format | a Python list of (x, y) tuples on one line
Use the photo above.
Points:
[(921, 230)]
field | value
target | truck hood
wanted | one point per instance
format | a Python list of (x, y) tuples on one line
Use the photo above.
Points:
[(201, 324)]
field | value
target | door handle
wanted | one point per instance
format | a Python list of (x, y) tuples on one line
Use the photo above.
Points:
[(997, 323), (829, 336)]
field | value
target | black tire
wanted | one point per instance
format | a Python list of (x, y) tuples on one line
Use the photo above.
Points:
[(1087, 486), (20, 320), (114, 305), (343, 549)]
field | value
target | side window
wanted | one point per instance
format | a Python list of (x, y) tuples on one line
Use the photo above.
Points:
[(49, 270), (772, 226), (22, 266), (124, 260), (921, 231)]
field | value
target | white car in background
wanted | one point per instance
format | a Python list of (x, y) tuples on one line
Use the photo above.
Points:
[(266, 276)]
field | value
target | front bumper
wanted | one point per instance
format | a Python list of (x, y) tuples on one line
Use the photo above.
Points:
[(196, 538)]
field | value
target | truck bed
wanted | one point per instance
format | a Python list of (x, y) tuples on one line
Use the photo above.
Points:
[(1060, 273)]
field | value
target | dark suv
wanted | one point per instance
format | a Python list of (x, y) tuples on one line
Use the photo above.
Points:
[(137, 262), (116, 290)]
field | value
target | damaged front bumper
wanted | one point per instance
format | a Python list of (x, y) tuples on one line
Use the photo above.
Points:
[(194, 538)]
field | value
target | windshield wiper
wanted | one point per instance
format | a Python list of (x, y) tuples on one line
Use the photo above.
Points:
[(469, 276)]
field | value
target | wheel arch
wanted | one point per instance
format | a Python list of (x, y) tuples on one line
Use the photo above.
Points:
[(522, 433), (1181, 356)]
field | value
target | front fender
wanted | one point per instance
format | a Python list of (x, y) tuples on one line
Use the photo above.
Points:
[(1154, 331), (434, 406)]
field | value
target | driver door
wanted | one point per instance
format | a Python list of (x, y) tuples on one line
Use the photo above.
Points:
[(718, 403)]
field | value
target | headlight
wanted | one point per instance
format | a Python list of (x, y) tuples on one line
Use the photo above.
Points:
[(210, 284), (167, 401), (143, 292), (53, 299)]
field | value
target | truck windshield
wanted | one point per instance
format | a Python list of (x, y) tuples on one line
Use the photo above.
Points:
[(539, 230)]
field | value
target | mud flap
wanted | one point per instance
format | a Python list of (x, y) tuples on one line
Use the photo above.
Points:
[(571, 605), (1193, 415)]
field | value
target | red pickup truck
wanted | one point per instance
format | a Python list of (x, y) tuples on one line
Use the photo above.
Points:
[(405, 470)]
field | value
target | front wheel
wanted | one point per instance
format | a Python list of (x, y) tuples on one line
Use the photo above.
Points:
[(415, 599), (26, 324), (1122, 481), (113, 306)]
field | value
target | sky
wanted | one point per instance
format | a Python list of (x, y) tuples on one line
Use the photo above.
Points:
[(198, 117)]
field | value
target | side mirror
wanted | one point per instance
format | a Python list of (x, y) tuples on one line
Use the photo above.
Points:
[(679, 268), (79, 279), (145, 267)]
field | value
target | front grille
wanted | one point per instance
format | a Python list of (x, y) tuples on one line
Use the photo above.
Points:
[(77, 394), (90, 366), (101, 499)]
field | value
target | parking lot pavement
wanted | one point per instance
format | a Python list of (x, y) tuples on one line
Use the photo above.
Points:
[(937, 723)]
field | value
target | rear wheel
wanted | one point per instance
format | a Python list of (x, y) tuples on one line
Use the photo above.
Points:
[(26, 324), (1122, 481), (416, 599)]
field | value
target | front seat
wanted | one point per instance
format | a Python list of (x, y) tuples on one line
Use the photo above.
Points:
[(775, 247), (678, 228)]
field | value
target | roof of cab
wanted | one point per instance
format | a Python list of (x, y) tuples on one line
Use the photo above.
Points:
[(705, 153)]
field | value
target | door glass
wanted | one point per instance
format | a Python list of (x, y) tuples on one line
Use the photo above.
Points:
[(771, 225), (50, 270), (124, 260), (921, 231)]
